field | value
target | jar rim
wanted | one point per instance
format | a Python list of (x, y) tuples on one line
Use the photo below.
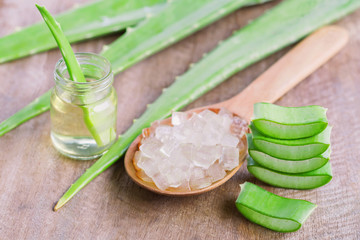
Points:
[(107, 74)]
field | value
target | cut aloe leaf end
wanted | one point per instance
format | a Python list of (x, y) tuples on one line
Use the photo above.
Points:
[(272, 211), (102, 133), (284, 165), (289, 122), (297, 149), (307, 180)]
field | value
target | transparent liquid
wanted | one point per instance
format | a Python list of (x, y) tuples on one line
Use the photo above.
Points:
[(69, 133)]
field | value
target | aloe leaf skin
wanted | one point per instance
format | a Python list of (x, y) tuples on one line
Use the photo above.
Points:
[(284, 165), (72, 64), (272, 211), (175, 22), (81, 23), (283, 25), (36, 107), (307, 180), (127, 47), (297, 149), (289, 122)]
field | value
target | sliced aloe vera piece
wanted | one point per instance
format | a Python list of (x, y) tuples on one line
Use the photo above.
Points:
[(272, 211), (289, 122), (284, 165), (297, 149), (307, 180)]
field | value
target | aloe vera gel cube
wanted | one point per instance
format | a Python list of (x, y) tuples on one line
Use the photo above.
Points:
[(289, 122)]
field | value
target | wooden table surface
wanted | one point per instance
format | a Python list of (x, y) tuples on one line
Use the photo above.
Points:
[(33, 176)]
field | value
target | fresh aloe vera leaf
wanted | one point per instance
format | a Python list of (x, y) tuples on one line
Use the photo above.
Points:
[(272, 211), (284, 165), (297, 149), (72, 64), (84, 22), (283, 25), (143, 36), (73, 67), (178, 20), (307, 180), (36, 107), (289, 122)]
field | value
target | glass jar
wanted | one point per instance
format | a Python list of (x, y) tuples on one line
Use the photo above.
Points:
[(83, 114)]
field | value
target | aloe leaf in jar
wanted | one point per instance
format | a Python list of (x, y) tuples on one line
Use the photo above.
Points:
[(83, 114)]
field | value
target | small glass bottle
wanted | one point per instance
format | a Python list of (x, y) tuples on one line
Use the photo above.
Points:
[(83, 115)]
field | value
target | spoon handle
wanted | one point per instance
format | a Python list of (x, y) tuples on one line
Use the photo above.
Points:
[(287, 72)]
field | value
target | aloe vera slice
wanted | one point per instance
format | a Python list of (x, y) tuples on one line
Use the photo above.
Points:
[(283, 25), (297, 149), (289, 122), (284, 165), (272, 211), (307, 180), (81, 23)]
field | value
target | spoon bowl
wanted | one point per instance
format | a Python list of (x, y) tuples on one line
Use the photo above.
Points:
[(133, 174), (292, 68)]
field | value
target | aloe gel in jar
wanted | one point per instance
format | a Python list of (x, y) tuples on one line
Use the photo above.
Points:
[(83, 114)]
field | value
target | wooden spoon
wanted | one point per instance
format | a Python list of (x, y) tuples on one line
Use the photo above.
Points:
[(287, 72)]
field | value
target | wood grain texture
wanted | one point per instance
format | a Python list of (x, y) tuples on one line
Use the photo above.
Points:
[(33, 175)]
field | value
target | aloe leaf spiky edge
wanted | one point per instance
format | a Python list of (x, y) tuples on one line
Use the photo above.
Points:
[(283, 25), (81, 23), (122, 48), (180, 21)]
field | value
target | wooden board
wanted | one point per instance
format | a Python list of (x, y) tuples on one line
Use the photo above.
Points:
[(33, 175)]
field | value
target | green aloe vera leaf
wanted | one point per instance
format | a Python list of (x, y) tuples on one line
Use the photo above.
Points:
[(73, 67), (283, 25), (36, 107), (145, 47), (296, 149), (284, 165), (289, 122), (72, 64), (307, 180), (272, 211), (84, 22), (178, 20)]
